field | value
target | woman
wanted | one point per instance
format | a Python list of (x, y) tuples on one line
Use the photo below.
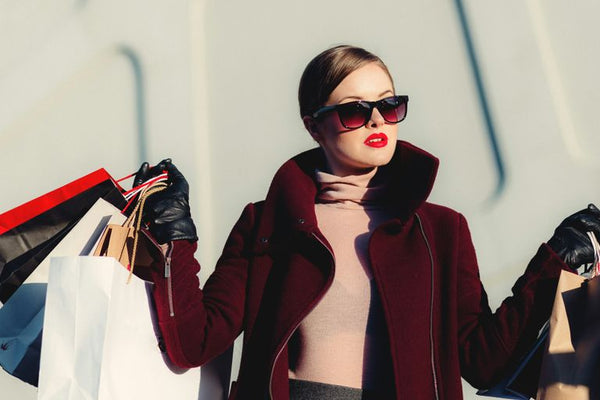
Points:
[(346, 283)]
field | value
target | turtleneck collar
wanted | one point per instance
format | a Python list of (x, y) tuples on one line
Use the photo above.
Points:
[(293, 191), (352, 191)]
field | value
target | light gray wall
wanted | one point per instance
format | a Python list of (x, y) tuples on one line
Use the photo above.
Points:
[(87, 84)]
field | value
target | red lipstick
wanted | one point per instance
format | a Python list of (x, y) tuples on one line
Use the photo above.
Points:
[(377, 140)]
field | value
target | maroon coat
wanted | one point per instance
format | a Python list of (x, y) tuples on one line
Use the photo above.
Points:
[(276, 266)]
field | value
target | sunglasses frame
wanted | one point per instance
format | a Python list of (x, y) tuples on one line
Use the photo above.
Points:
[(402, 99)]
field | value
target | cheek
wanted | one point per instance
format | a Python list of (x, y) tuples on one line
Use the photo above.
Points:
[(331, 125), (340, 146), (330, 133), (343, 142)]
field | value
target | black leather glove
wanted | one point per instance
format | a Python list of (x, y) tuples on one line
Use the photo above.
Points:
[(167, 212), (570, 240), (145, 173)]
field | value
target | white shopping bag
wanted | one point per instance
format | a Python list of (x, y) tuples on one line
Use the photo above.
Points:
[(22, 316), (100, 338)]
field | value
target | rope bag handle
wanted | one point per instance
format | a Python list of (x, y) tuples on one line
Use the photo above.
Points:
[(135, 219)]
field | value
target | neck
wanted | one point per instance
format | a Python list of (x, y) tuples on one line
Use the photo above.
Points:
[(343, 172)]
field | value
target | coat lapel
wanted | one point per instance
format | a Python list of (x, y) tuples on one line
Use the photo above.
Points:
[(402, 270)]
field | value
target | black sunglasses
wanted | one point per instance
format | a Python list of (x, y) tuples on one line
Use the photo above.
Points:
[(358, 113)]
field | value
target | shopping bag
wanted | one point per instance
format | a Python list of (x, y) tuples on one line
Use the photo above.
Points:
[(21, 322), (21, 318), (101, 338), (29, 232), (570, 368), (521, 382), (128, 243)]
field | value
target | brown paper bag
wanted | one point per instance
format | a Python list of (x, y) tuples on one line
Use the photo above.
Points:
[(128, 243), (570, 369)]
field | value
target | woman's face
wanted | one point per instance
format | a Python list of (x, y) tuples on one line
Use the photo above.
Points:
[(356, 151)]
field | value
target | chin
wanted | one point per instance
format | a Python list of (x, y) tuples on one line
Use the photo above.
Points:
[(366, 166), (383, 160)]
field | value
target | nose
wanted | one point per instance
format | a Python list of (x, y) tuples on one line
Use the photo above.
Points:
[(376, 119)]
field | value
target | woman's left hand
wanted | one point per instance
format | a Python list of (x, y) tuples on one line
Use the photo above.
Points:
[(570, 240), (168, 212)]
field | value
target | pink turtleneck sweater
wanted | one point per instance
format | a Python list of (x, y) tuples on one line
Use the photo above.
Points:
[(343, 340)]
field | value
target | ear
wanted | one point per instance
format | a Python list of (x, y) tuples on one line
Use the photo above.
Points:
[(311, 126)]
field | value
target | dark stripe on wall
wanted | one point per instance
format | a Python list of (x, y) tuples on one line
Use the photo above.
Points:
[(140, 105), (483, 103)]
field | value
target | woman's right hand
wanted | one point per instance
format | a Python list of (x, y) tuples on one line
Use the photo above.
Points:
[(570, 240), (167, 212)]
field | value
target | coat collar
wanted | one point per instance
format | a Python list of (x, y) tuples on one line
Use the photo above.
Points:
[(291, 196)]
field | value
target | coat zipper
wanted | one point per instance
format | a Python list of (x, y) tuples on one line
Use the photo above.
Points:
[(167, 263), (317, 300), (431, 343), (168, 276)]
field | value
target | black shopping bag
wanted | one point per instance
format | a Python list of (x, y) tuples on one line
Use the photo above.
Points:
[(29, 232), (520, 383)]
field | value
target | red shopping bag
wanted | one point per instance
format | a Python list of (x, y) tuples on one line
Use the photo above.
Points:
[(30, 231)]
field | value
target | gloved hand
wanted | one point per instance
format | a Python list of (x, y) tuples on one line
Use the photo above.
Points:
[(167, 212), (570, 240), (145, 173)]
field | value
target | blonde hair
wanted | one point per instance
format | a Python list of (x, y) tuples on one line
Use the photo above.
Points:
[(325, 72)]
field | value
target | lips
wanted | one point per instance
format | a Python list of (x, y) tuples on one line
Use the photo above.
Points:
[(377, 140)]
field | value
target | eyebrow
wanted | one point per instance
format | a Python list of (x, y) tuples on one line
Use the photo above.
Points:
[(360, 98)]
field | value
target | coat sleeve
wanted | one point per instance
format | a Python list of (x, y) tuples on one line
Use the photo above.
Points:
[(199, 324), (491, 342)]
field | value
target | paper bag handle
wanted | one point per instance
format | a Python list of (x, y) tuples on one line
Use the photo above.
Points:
[(596, 246), (135, 218)]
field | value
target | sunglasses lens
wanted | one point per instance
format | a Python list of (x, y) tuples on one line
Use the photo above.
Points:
[(357, 113), (354, 115), (393, 109)]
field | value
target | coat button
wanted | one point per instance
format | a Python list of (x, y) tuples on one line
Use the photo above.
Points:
[(300, 221), (264, 240)]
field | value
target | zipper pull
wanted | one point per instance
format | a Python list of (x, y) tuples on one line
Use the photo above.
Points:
[(168, 260), (168, 277), (168, 267)]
